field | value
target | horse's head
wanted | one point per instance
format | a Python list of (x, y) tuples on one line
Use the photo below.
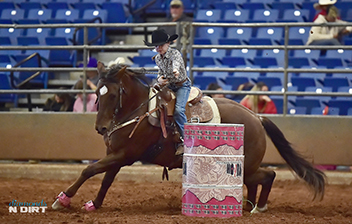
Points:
[(118, 93)]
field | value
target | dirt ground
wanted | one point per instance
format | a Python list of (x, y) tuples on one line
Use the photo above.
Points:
[(130, 202)]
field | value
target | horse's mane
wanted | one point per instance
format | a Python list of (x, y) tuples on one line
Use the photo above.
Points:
[(138, 73)]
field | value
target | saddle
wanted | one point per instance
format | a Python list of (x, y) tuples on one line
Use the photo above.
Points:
[(199, 108)]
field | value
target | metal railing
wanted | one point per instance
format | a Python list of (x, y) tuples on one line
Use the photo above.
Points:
[(188, 49)]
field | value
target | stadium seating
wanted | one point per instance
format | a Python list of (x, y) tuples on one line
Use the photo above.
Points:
[(4, 85), (207, 15), (235, 15), (343, 105), (308, 103)]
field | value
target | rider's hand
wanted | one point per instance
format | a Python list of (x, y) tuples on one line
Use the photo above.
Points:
[(163, 81), (176, 73)]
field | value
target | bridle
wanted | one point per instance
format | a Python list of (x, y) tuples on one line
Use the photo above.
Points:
[(126, 121)]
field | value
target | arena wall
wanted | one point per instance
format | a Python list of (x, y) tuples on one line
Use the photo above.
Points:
[(61, 136)]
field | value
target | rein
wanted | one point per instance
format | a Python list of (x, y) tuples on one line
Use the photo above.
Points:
[(137, 119)]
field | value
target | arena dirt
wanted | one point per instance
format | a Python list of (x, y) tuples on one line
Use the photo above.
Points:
[(131, 202)]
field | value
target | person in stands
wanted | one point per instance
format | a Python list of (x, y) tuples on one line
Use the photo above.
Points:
[(60, 102), (328, 35), (215, 86), (261, 104), (90, 100)]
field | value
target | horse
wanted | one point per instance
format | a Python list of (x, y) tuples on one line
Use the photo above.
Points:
[(122, 97)]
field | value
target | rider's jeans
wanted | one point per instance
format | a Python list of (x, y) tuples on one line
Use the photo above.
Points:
[(182, 94)]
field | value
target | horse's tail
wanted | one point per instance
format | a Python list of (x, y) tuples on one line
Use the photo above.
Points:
[(304, 169)]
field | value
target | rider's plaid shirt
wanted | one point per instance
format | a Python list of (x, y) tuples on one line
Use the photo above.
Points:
[(171, 60)]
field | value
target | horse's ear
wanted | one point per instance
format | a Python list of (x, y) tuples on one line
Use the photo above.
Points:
[(101, 67), (121, 72)]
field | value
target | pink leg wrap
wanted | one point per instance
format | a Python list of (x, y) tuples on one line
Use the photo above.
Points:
[(89, 206), (64, 200)]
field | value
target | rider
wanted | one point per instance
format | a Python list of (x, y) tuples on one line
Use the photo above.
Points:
[(172, 72)]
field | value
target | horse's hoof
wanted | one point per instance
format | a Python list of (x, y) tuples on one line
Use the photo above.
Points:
[(61, 202), (89, 206), (256, 209)]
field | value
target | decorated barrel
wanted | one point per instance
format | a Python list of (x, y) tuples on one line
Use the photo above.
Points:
[(213, 170)]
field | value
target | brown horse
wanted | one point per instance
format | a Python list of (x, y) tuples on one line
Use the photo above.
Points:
[(123, 97)]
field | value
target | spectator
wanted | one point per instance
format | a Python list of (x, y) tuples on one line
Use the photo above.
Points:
[(90, 100), (323, 6), (215, 86), (176, 15), (92, 76), (328, 35), (59, 102), (261, 104), (243, 87)]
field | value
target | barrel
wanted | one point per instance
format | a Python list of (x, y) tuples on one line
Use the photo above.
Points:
[(212, 181)]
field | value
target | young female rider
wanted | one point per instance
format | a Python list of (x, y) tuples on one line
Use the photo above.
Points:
[(172, 72)]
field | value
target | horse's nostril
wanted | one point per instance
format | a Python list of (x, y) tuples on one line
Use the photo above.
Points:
[(101, 130)]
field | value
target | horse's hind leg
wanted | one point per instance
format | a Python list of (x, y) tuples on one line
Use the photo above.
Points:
[(260, 177)]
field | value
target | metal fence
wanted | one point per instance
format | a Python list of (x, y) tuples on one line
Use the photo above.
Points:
[(186, 47)]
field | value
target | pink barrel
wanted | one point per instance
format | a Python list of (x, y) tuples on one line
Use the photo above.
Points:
[(213, 170)]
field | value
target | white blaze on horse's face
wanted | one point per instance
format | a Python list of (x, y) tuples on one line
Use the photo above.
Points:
[(103, 90)]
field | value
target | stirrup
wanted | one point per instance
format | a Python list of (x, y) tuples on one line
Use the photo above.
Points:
[(179, 150)]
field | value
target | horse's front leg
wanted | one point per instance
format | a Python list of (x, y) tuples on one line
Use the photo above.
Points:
[(105, 185), (112, 161)]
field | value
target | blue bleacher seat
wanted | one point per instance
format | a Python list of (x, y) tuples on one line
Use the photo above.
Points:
[(157, 8), (322, 110), (6, 5), (29, 5), (264, 62), (58, 57), (273, 33), (330, 62), (116, 13), (5, 84), (242, 33), (343, 105), (309, 6), (306, 53), (282, 6), (235, 15), (295, 15), (298, 62), (40, 14), (203, 81), (319, 77), (292, 42), (41, 79), (64, 32), (301, 33), (54, 6), (67, 14), (224, 6), (281, 89), (82, 6), (279, 104), (252, 6), (252, 76), (233, 61), (25, 41), (270, 81), (349, 111), (303, 82), (308, 103), (202, 41), (229, 41), (323, 99), (13, 14), (40, 33), (260, 41), (340, 53), (12, 33), (203, 61), (335, 83), (275, 53), (297, 110), (265, 15), (247, 54), (5, 41), (212, 33), (90, 14), (207, 15), (215, 53), (147, 52), (142, 60)]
